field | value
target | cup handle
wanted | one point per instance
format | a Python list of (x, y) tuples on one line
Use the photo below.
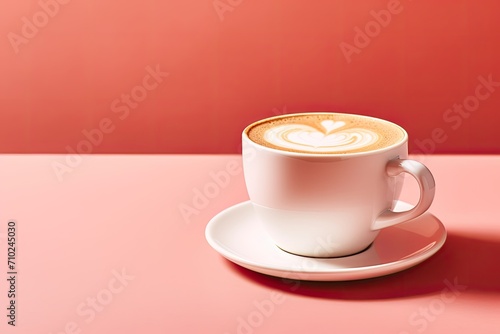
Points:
[(427, 189)]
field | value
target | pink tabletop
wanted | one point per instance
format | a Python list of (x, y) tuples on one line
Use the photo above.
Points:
[(116, 244)]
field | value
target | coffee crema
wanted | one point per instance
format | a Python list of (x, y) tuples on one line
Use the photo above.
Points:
[(325, 133)]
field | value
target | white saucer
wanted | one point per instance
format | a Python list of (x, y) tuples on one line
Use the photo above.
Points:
[(237, 236)]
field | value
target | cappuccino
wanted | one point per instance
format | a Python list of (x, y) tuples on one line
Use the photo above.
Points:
[(325, 133)]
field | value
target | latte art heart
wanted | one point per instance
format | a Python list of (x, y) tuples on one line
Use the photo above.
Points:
[(333, 137), (325, 133), (330, 125)]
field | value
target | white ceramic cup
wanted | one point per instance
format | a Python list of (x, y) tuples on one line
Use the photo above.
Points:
[(330, 205)]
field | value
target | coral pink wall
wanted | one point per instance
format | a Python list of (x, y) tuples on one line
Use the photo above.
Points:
[(187, 76)]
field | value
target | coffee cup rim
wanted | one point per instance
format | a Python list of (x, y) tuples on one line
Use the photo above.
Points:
[(324, 155)]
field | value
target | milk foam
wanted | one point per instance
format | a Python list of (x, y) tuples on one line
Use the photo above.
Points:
[(330, 137), (324, 133)]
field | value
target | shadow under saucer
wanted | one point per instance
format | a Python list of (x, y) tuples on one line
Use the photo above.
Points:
[(469, 263)]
